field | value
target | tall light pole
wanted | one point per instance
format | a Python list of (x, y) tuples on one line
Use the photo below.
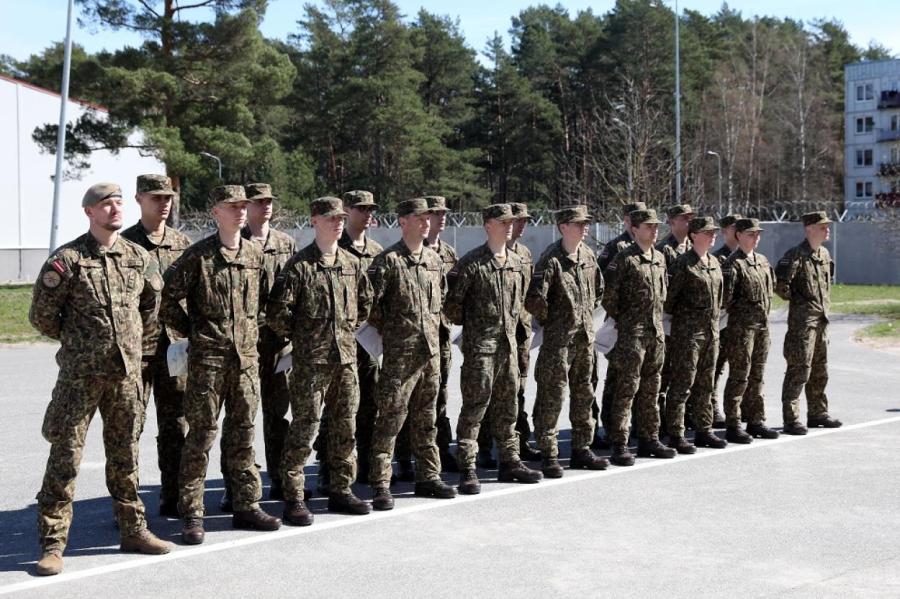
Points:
[(61, 132), (218, 162), (677, 109), (719, 163)]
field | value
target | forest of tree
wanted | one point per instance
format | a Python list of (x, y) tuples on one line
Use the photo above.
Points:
[(568, 108)]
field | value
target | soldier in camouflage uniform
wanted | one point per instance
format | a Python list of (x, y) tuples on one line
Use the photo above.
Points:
[(749, 285), (565, 288), (634, 296), (727, 229), (98, 296), (486, 294), (606, 257), (275, 396), (319, 301), (408, 287), (694, 299), (676, 243), (803, 278), (221, 279), (165, 245)]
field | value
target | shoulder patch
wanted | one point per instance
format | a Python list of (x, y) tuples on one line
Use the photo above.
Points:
[(51, 279), (59, 266)]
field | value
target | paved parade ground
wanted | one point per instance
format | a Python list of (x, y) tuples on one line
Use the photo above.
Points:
[(797, 517)]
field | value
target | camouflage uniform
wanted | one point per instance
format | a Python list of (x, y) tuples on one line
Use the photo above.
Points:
[(803, 278), (406, 311), (319, 306), (562, 297), (98, 303), (694, 299), (168, 391), (721, 255), (486, 298), (223, 301), (749, 284)]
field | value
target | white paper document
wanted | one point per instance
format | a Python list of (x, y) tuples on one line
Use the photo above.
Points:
[(177, 357), (606, 336), (370, 339), (667, 324), (456, 335), (723, 320), (284, 361)]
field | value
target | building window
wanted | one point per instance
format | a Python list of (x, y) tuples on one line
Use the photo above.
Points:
[(864, 189), (895, 122), (895, 155), (864, 158), (865, 124), (865, 92)]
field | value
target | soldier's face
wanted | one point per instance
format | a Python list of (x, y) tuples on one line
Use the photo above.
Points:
[(415, 226), (518, 227), (818, 233), (361, 218), (259, 211), (328, 228), (498, 231), (573, 232), (679, 224), (438, 222), (154, 207), (230, 216), (106, 214), (645, 233), (748, 240), (703, 241)]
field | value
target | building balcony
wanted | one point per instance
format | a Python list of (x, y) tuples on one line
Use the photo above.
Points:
[(889, 99), (888, 135), (889, 169)]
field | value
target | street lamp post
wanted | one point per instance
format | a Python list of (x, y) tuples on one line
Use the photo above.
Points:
[(61, 133), (719, 164), (677, 108), (218, 162)]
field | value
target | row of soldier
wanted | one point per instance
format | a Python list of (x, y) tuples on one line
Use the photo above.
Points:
[(244, 298)]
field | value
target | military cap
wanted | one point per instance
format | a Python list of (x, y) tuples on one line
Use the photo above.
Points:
[(702, 224), (815, 218), (519, 210), (501, 212), (437, 203), (728, 220), (573, 214), (359, 198), (645, 216), (327, 206), (627, 209), (100, 191), (673, 211), (229, 194), (259, 191), (413, 207), (747, 224), (158, 185)]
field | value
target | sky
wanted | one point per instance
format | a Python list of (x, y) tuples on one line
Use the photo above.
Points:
[(29, 26)]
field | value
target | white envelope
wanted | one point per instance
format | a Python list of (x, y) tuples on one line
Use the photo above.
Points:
[(606, 336), (723, 320), (284, 364), (456, 335), (537, 334), (370, 339), (177, 357)]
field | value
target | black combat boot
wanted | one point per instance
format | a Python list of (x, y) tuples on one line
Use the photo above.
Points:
[(621, 456), (347, 503), (192, 532), (825, 421), (709, 439), (761, 431), (434, 488), (682, 445), (255, 520), (794, 428), (382, 499), (652, 448), (586, 460), (469, 483), (297, 514), (551, 468), (735, 434), (517, 472)]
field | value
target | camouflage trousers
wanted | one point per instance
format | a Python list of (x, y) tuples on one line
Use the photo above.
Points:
[(636, 361), (607, 398), (442, 421), (724, 358), (489, 382), (693, 368), (665, 380), (210, 388), (168, 396), (555, 368), (407, 385), (806, 353), (75, 400), (747, 348), (485, 434), (334, 389)]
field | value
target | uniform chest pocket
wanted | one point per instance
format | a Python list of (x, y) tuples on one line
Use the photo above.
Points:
[(315, 300), (213, 295), (90, 285), (347, 281), (700, 289), (434, 275), (250, 278), (133, 275)]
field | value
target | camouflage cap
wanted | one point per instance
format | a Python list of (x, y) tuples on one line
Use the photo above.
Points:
[(501, 212), (573, 214), (437, 203), (229, 194), (747, 224), (99, 192), (327, 206), (627, 209), (673, 211), (413, 207), (358, 198), (519, 210), (646, 216), (702, 224), (158, 185), (728, 220), (815, 218), (259, 191)]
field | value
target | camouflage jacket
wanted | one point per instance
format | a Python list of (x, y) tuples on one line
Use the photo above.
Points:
[(804, 277), (370, 249), (449, 258), (635, 291), (98, 303), (722, 253), (695, 294), (166, 252), (749, 285), (523, 331), (671, 249), (320, 306), (277, 249), (563, 294), (223, 300), (407, 296), (486, 298), (612, 249)]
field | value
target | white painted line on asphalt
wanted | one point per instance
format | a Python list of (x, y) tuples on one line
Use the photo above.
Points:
[(287, 532)]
